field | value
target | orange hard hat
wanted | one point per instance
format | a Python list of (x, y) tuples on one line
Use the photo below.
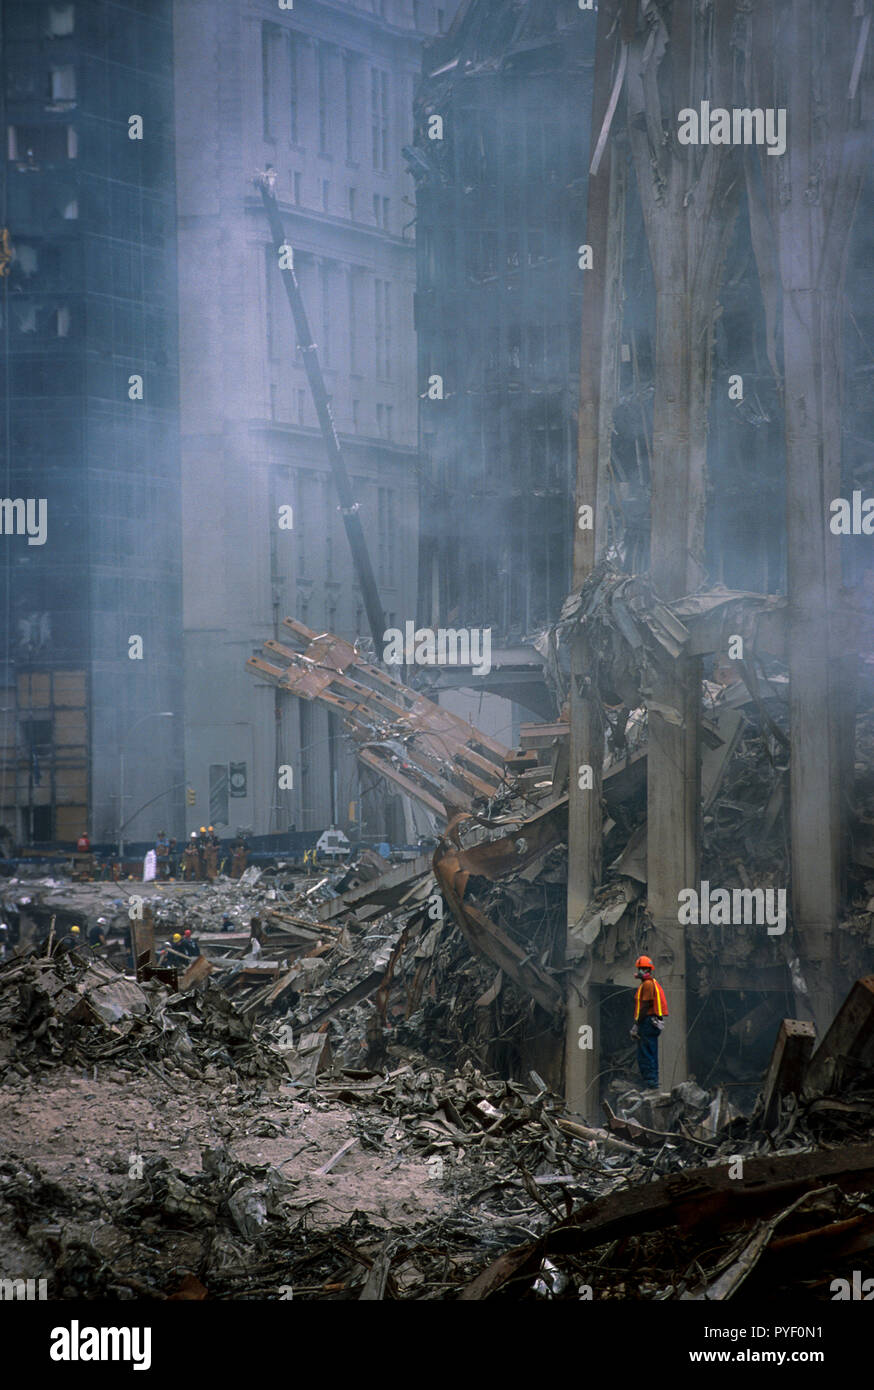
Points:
[(643, 963)]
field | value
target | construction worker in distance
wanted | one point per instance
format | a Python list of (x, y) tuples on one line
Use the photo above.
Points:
[(201, 853), (188, 946), (650, 1012), (191, 858), (71, 940), (172, 953), (210, 853), (97, 933)]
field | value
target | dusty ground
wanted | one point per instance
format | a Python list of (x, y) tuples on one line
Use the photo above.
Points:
[(86, 1132)]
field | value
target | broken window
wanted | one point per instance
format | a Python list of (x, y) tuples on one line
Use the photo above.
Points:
[(26, 316), (514, 347), (537, 353), (63, 83), (27, 259), (36, 734), (60, 21), (41, 822), (44, 144)]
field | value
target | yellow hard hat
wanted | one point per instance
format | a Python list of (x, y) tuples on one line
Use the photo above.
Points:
[(177, 936), (74, 929), (203, 830), (209, 827)]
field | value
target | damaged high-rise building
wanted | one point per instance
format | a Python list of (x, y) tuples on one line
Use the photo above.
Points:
[(323, 99), (90, 599), (500, 160)]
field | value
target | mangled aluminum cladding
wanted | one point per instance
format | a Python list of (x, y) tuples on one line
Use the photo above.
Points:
[(430, 753)]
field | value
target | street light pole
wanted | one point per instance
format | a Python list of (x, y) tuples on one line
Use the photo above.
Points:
[(157, 714)]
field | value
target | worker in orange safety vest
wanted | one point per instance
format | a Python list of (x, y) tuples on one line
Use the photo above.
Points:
[(650, 1012)]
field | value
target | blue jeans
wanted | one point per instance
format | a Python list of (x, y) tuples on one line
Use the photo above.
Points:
[(648, 1052)]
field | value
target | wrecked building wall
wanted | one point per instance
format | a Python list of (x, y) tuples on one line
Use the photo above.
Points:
[(323, 96), (89, 300), (500, 207)]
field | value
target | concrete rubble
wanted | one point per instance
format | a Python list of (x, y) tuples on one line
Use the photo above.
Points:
[(353, 1091), (363, 1068)]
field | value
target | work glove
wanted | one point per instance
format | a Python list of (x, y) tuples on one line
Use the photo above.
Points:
[(634, 1031), (659, 1023)]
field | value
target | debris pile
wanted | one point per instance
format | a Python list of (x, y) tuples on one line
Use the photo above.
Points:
[(62, 1009)]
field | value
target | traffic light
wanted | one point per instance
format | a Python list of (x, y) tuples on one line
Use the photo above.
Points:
[(190, 796)]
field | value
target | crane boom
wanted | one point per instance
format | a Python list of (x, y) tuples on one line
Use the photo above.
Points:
[(349, 508)]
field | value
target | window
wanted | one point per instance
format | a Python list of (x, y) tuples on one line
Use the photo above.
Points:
[(379, 118), (325, 288), (382, 325), (353, 325), (297, 188), (301, 517), (63, 84), (36, 734), (322, 82), (384, 421), (514, 344), (291, 44), (387, 535), (269, 315), (352, 204), (441, 21), (27, 259), (26, 316), (269, 36), (60, 21), (42, 144), (350, 105), (356, 412), (61, 321)]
